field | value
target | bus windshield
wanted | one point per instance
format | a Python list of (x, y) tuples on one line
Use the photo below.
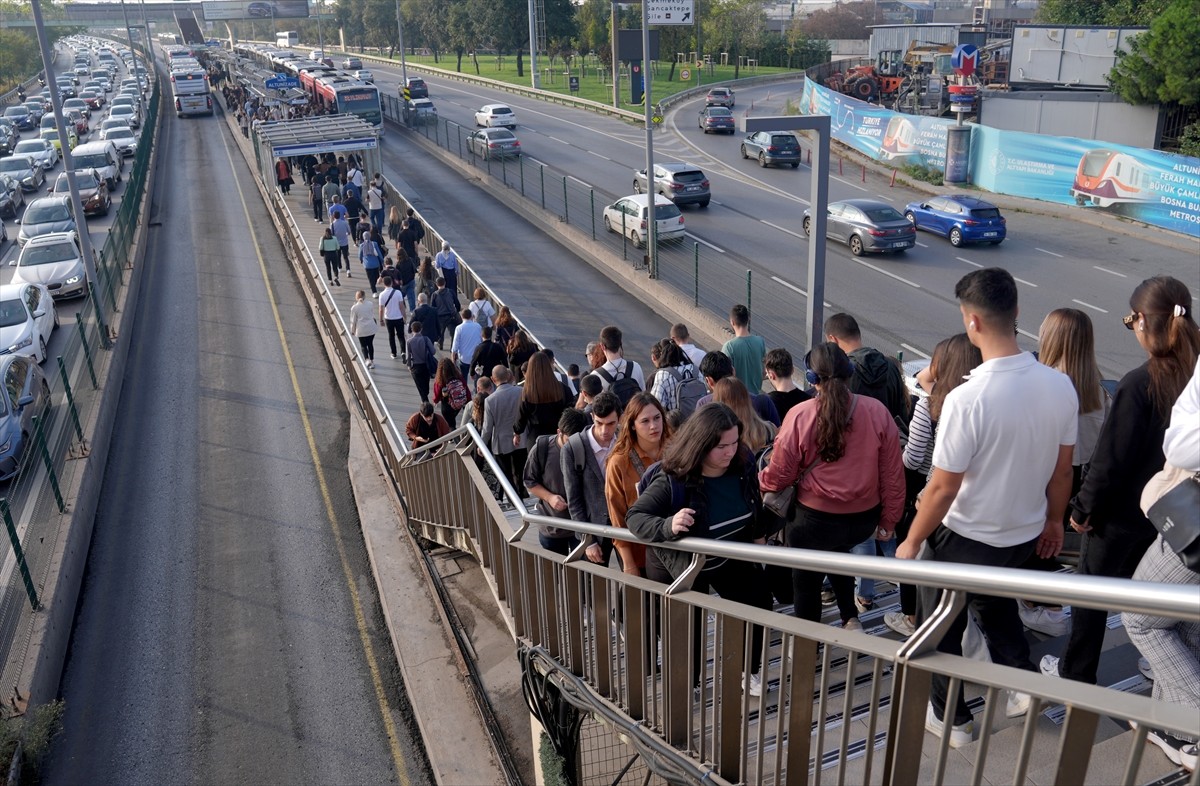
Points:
[(364, 103)]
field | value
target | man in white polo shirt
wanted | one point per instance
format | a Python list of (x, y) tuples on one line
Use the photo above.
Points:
[(1001, 480)]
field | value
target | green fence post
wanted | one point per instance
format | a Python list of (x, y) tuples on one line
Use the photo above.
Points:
[(460, 155), (566, 203), (624, 238), (62, 371), (542, 175), (749, 273), (696, 277), (521, 164), (40, 435), (592, 196), (504, 169), (488, 159), (22, 565), (108, 287), (87, 351), (99, 315)]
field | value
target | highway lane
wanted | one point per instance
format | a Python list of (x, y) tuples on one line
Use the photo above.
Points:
[(228, 630), (755, 216)]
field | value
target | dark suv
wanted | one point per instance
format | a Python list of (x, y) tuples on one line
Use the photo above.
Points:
[(772, 147), (683, 184), (417, 88)]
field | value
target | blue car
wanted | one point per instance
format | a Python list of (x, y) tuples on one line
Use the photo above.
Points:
[(24, 394), (21, 117), (964, 219)]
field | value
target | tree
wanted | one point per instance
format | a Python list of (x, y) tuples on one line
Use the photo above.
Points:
[(1109, 13), (461, 35), (592, 21), (843, 21), (1161, 64), (736, 26)]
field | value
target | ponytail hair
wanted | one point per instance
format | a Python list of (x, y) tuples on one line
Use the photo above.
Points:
[(833, 370), (1170, 335)]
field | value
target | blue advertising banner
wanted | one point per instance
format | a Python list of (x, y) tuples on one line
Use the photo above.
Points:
[(1157, 188), (892, 137)]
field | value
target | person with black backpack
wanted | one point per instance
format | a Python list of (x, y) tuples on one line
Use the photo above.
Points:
[(677, 385), (623, 377)]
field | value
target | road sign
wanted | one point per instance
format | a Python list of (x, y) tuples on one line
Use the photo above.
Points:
[(281, 81), (573, 82), (685, 75), (964, 59), (671, 12)]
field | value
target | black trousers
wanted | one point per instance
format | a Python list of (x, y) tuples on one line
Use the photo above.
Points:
[(1115, 552), (997, 616), (316, 206), (331, 264), (395, 329), (420, 375), (512, 464), (368, 346), (837, 532)]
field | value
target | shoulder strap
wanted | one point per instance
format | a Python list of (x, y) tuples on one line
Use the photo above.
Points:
[(577, 450), (636, 461), (602, 371)]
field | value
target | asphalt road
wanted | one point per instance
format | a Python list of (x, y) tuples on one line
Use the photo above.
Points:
[(228, 630), (754, 223)]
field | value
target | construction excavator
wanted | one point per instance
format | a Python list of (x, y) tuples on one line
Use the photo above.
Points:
[(894, 74)]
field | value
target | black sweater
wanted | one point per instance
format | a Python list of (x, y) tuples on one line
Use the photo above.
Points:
[(1128, 452)]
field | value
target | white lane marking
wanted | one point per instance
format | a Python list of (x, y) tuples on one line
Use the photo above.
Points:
[(1089, 305), (795, 288), (1110, 272), (718, 249), (848, 183), (533, 160), (1023, 281), (556, 139), (922, 245), (969, 262), (911, 348), (884, 198), (1051, 253), (715, 202), (888, 273), (581, 182), (800, 235), (597, 155), (1027, 334)]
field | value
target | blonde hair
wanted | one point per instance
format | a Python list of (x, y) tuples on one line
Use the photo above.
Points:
[(1066, 343), (732, 392)]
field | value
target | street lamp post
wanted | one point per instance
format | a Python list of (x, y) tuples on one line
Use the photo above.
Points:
[(651, 210), (400, 36)]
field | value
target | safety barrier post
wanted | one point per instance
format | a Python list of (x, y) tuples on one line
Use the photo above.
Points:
[(566, 202), (521, 165), (104, 343), (504, 169), (22, 565), (87, 350), (108, 287), (542, 175), (749, 273), (696, 277), (460, 155), (40, 435), (624, 238), (62, 371), (592, 196)]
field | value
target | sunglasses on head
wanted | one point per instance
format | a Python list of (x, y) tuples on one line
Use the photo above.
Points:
[(1129, 319)]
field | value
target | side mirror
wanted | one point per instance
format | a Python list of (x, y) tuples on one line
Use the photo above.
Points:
[(25, 400), (41, 312)]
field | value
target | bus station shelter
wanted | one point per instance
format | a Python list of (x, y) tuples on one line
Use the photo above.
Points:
[(337, 134)]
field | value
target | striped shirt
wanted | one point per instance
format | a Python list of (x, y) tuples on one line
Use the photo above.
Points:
[(922, 433)]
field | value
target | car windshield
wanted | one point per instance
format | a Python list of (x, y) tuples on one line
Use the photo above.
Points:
[(500, 136), (41, 214), (14, 164), (883, 214), (719, 91), (83, 180), (663, 212), (784, 140), (121, 110), (689, 176), (92, 160), (29, 146), (12, 312), (50, 133), (501, 110), (719, 111), (48, 254), (979, 212), (118, 133)]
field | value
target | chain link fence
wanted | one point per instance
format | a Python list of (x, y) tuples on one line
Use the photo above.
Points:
[(33, 507)]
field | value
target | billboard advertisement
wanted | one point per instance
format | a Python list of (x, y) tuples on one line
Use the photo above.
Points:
[(891, 137), (1157, 188), (255, 9)]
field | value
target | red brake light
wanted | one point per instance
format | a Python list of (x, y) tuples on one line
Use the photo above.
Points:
[(681, 219), (643, 223), (704, 184), (676, 186), (770, 148), (877, 232), (516, 143)]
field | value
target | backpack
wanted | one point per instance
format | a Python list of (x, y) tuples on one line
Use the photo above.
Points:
[(688, 392), (623, 385), (652, 471), (457, 394)]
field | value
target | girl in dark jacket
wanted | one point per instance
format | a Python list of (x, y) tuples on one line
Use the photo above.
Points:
[(707, 488), (1128, 452)]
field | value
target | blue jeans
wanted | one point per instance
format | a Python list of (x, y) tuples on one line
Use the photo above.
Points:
[(410, 293), (864, 586), (377, 219), (557, 545)]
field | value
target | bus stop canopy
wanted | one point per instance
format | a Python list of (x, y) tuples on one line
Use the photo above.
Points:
[(337, 134)]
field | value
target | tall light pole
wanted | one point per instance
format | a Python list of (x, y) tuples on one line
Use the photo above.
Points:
[(535, 81), (128, 34), (403, 64), (616, 64), (320, 33), (149, 42), (85, 239), (652, 217)]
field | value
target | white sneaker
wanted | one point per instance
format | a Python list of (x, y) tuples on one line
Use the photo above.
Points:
[(852, 624), (1047, 620), (1018, 704), (899, 622), (1179, 751), (828, 597), (1049, 665), (755, 684), (1145, 669), (959, 735)]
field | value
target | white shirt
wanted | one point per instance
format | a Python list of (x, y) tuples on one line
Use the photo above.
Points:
[(391, 303), (694, 353), (618, 366), (374, 199), (355, 176), (1002, 429), (1182, 442), (600, 451)]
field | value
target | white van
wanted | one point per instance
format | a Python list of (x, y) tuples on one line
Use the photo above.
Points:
[(101, 156)]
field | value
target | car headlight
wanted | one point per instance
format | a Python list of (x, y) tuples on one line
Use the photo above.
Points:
[(21, 344), (28, 180), (6, 445), (73, 280)]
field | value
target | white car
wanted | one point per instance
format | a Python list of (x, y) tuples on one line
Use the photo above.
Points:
[(495, 116), (128, 112), (27, 318), (55, 261), (629, 214), (124, 139), (40, 150), (363, 75)]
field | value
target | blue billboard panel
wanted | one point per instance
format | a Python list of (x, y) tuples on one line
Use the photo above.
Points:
[(1151, 186)]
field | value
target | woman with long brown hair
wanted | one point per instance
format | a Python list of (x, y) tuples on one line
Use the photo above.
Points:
[(641, 437), (1129, 450), (447, 391), (505, 326), (842, 452), (756, 432), (543, 398), (520, 349)]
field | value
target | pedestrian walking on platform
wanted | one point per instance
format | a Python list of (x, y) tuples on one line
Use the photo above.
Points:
[(330, 253), (283, 175), (364, 326)]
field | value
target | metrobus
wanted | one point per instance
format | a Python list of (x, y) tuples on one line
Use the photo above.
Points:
[(347, 95), (1105, 178), (287, 38), (189, 89)]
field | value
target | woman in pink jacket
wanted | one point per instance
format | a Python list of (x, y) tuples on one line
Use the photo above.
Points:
[(842, 451)]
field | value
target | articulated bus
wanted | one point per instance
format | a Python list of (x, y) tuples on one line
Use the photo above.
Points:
[(349, 96)]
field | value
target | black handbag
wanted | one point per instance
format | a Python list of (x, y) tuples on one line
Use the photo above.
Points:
[(1176, 516)]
